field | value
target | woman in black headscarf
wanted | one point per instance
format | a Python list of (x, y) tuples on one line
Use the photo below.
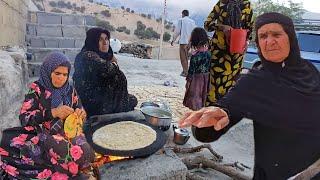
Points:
[(282, 99), (101, 85)]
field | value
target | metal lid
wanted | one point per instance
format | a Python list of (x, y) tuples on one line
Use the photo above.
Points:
[(182, 131)]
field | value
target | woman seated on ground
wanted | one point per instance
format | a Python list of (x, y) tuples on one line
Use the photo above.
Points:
[(282, 99), (101, 85), (40, 149)]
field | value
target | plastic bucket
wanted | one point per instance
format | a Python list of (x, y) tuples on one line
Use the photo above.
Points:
[(238, 38)]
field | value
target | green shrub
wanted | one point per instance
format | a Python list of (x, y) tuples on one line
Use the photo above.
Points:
[(82, 9), (121, 29), (127, 31), (53, 4), (104, 24), (40, 7), (106, 13), (166, 36), (56, 10), (140, 26)]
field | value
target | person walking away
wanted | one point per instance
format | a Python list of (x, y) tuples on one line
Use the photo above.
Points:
[(184, 27)]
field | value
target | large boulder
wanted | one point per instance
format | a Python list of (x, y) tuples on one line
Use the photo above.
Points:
[(13, 80)]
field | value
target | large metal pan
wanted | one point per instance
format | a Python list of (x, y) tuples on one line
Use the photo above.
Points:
[(95, 122)]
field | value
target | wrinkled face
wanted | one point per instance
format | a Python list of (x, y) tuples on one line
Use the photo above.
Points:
[(274, 42), (104, 43), (59, 76)]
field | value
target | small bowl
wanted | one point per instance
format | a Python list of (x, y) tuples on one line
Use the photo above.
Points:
[(157, 117)]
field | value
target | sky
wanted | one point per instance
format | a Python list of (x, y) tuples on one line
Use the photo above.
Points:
[(206, 5)]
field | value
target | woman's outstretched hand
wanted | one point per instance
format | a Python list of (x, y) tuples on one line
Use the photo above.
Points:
[(206, 117), (61, 112)]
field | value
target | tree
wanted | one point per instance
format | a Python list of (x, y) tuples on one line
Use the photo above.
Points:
[(166, 36), (294, 11)]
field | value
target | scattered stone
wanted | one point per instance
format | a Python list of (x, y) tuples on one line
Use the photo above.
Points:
[(139, 50)]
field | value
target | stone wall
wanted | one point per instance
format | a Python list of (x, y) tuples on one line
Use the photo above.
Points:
[(13, 80), (13, 17)]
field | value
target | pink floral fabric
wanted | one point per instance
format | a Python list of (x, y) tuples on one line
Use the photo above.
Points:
[(40, 146)]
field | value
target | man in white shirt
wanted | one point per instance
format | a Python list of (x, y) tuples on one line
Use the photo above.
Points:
[(184, 27)]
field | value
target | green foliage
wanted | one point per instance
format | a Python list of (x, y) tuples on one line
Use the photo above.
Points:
[(82, 9), (141, 26), (145, 33), (121, 29), (294, 10), (56, 10), (168, 26), (106, 13), (166, 36), (40, 7), (104, 24), (53, 4), (127, 31)]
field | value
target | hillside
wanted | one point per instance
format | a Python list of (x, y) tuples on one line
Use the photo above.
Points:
[(119, 17)]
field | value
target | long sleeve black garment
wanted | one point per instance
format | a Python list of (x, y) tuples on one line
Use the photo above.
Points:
[(101, 85), (286, 124)]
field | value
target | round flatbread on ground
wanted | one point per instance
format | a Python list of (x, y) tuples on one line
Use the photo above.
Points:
[(124, 136)]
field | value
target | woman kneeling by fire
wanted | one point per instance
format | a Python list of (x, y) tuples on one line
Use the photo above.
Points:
[(50, 143)]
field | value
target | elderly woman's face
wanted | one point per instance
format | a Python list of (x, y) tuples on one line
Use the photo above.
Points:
[(59, 76), (274, 42), (104, 43)]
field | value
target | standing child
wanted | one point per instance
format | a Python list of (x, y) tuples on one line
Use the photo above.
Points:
[(198, 73)]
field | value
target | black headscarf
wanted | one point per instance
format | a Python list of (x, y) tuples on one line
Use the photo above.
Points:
[(293, 71), (92, 42), (282, 95)]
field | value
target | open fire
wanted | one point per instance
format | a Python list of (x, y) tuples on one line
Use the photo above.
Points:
[(103, 159)]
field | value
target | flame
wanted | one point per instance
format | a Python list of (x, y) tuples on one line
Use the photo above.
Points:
[(116, 158), (103, 159)]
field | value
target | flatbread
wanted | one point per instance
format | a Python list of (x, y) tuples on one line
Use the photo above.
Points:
[(124, 136)]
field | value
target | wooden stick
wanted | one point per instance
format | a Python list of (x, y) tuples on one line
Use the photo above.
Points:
[(198, 149), (308, 173), (193, 176), (206, 163)]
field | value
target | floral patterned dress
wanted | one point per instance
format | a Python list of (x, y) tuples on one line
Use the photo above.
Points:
[(225, 66), (39, 149)]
